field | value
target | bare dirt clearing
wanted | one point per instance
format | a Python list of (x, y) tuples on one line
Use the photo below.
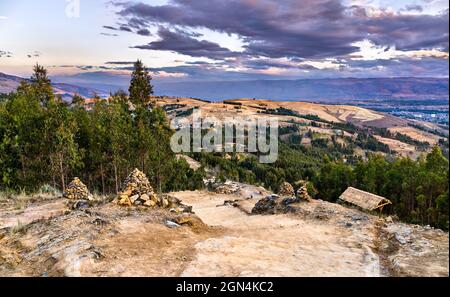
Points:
[(313, 239), (280, 245), (103, 241)]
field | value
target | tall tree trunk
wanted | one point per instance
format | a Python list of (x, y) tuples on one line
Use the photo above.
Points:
[(116, 178), (61, 168), (103, 178), (52, 164)]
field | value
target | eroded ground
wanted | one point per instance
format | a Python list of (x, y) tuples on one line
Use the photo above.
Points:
[(314, 239)]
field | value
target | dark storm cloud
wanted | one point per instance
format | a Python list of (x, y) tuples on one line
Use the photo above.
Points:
[(143, 32), (410, 32), (125, 28), (178, 41), (291, 28)]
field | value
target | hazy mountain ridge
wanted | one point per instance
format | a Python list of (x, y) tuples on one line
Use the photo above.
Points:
[(9, 83), (314, 89), (347, 89)]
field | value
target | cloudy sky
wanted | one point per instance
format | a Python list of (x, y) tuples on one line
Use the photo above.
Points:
[(227, 39)]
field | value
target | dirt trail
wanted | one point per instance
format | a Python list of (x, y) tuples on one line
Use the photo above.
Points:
[(279, 245)]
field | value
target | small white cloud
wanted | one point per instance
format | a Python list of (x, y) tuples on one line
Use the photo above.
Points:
[(368, 51), (2, 17)]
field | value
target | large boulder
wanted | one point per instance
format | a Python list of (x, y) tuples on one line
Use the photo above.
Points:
[(266, 205)]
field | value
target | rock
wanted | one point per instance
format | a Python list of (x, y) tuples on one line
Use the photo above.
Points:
[(187, 219), (286, 189), (150, 203), (134, 198), (265, 205), (179, 210), (154, 198), (401, 239), (173, 200), (172, 225), (125, 201), (359, 218), (145, 197), (288, 201), (100, 222), (76, 190), (80, 204)]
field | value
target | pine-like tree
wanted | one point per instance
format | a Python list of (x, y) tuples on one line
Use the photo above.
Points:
[(41, 85), (140, 87)]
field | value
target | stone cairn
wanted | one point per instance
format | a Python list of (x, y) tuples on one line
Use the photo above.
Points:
[(137, 191), (281, 203), (303, 194), (286, 189), (78, 194)]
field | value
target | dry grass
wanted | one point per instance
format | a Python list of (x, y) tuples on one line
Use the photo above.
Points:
[(21, 199), (19, 228)]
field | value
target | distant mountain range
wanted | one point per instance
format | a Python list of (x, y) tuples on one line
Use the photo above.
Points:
[(323, 90), (9, 83)]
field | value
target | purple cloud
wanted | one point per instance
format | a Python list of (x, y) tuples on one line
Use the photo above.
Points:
[(183, 43)]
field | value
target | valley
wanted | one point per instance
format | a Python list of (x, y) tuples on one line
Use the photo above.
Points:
[(312, 121)]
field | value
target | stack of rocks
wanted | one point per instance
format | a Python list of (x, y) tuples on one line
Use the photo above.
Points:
[(78, 194), (303, 194), (76, 190), (286, 202), (227, 188), (286, 189), (137, 191)]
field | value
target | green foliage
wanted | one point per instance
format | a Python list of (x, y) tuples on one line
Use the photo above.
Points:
[(140, 87), (418, 189), (46, 142)]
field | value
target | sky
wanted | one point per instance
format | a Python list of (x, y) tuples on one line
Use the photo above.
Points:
[(190, 40)]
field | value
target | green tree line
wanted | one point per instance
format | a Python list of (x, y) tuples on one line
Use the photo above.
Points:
[(417, 188), (44, 140)]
